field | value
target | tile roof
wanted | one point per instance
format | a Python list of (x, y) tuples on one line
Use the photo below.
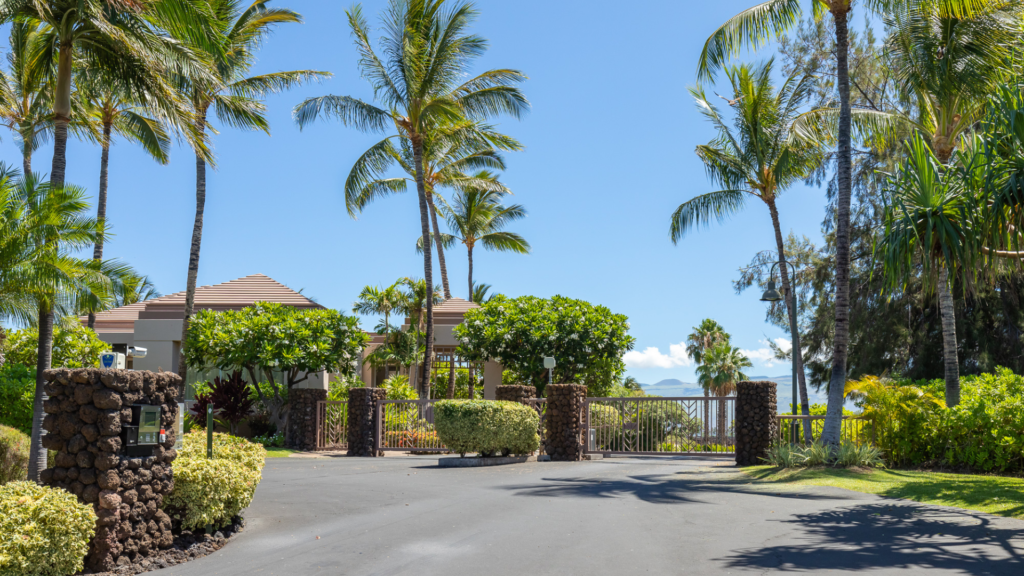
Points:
[(233, 295)]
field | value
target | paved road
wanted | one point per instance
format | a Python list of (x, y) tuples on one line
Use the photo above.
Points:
[(620, 516)]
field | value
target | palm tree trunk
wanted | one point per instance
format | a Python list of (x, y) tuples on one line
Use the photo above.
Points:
[(796, 350), (101, 204), (831, 433), (26, 162), (949, 352), (37, 454), (469, 249), (193, 256), (428, 272), (440, 248), (61, 113), (451, 376), (722, 416), (472, 380)]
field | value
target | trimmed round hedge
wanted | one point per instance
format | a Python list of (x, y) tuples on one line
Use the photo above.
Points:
[(43, 531), (214, 490), (487, 427)]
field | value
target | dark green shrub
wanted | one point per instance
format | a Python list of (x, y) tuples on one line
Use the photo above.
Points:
[(14, 448), (43, 531), (487, 427), (17, 392)]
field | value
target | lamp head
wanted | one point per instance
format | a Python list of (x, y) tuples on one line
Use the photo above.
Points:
[(771, 294)]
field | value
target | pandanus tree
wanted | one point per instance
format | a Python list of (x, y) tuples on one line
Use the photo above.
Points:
[(704, 337), (756, 156), (721, 369), (112, 111), (239, 31), (422, 89), (930, 224), (769, 20)]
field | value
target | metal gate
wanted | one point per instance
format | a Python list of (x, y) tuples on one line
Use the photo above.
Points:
[(331, 425), (408, 426), (665, 426)]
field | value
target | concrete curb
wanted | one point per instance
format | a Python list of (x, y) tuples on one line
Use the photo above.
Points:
[(476, 461)]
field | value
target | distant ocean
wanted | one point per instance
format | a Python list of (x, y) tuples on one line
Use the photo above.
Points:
[(674, 387)]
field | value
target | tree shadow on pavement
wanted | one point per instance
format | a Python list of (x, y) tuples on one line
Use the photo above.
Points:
[(894, 535), (652, 488)]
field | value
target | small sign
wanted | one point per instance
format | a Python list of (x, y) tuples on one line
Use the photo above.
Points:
[(107, 360)]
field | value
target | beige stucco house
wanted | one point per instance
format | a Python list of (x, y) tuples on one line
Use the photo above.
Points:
[(156, 324)]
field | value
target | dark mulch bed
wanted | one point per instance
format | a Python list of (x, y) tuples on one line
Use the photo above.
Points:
[(187, 546)]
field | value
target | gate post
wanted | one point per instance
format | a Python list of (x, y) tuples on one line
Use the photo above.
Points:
[(302, 417), (564, 437), (756, 421), (363, 426), (515, 393)]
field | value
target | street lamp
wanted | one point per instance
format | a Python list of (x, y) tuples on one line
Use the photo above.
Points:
[(772, 294), (549, 363)]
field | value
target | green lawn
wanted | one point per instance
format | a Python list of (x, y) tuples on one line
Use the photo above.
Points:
[(280, 452), (993, 494)]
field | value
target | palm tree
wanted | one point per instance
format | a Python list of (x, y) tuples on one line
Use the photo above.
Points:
[(753, 28), (448, 153), (478, 217), (704, 337), (931, 223), (377, 300), (757, 156), (234, 97), (479, 293), (117, 37), (419, 308), (112, 111), (721, 369), (420, 85), (132, 289), (27, 108), (44, 227)]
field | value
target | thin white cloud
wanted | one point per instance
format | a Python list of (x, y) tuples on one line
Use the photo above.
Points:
[(766, 356), (652, 357)]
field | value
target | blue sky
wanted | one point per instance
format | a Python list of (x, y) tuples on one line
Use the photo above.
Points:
[(609, 156)]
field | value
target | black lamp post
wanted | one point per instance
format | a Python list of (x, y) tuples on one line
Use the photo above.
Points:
[(771, 294)]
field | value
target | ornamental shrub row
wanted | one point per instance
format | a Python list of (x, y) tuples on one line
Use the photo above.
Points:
[(43, 531), (912, 425), (487, 427), (214, 490)]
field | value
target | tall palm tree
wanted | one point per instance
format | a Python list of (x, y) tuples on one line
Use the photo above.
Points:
[(117, 37), (132, 289), (721, 369), (422, 87), (449, 153), (112, 111), (478, 217), (753, 28), (704, 337), (27, 104), (930, 223), (51, 224), (235, 98), (757, 156)]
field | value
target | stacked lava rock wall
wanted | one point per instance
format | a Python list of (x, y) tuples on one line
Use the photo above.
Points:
[(302, 416), (757, 421), (564, 432), (515, 393), (84, 415), (362, 420)]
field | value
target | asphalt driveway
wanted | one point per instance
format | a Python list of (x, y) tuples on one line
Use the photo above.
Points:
[(403, 515)]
